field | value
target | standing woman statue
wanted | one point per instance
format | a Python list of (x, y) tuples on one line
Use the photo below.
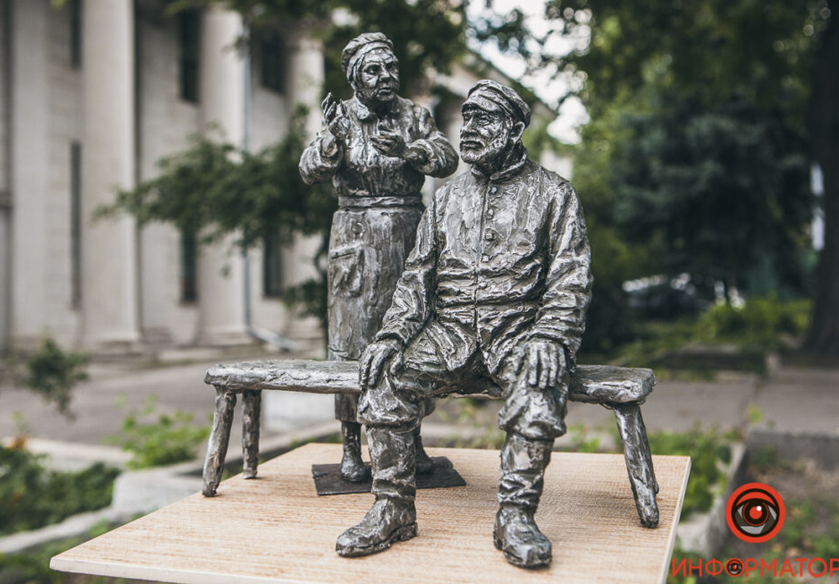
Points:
[(377, 148)]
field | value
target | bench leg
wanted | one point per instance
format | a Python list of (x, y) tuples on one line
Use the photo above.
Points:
[(639, 462), (251, 409), (219, 438)]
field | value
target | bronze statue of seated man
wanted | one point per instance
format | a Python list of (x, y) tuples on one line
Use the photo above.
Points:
[(496, 289)]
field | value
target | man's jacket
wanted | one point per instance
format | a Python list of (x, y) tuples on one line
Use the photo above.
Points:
[(499, 260)]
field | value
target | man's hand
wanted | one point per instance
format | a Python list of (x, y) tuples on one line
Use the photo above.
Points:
[(389, 143), (544, 363), (373, 361), (335, 117)]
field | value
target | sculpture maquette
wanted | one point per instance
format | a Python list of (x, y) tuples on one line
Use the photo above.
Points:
[(377, 149), (495, 291)]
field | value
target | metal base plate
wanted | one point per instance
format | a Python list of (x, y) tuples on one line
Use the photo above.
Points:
[(328, 480)]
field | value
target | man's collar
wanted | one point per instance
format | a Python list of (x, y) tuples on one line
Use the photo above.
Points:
[(511, 170), (364, 113)]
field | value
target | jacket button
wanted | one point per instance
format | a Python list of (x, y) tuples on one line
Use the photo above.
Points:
[(489, 236), (485, 258)]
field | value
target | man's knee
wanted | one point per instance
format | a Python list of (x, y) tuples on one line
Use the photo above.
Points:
[(388, 403), (534, 413)]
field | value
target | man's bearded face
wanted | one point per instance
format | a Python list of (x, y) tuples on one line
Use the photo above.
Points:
[(484, 136), (377, 77)]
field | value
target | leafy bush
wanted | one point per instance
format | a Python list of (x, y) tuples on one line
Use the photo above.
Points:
[(53, 374), (32, 496), (763, 323), (707, 451), (167, 440)]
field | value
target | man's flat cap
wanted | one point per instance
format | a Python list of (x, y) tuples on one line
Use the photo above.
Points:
[(504, 97)]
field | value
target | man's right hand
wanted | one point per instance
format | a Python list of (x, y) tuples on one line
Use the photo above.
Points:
[(373, 361)]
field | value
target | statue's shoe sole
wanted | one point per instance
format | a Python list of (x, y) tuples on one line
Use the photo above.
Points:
[(537, 561), (403, 533)]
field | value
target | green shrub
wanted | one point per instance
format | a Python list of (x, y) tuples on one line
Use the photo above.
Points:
[(762, 323), (53, 373), (168, 439), (32, 496), (708, 451)]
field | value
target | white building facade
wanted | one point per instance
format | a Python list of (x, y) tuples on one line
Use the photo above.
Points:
[(91, 96)]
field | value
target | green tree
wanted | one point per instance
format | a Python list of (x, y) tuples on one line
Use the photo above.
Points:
[(717, 95), (823, 123), (716, 190)]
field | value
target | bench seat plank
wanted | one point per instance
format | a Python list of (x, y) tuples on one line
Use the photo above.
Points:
[(590, 383)]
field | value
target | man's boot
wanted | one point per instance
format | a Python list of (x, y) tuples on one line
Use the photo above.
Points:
[(352, 466), (393, 517), (523, 463), (424, 462)]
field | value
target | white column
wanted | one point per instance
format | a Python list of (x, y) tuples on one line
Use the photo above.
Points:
[(304, 81), (5, 269), (220, 274), (304, 78), (109, 271), (5, 166), (29, 181)]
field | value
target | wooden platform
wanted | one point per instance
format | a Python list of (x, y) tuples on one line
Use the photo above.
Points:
[(276, 529)]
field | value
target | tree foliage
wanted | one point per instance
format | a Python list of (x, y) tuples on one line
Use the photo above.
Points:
[(699, 147), (713, 190), (214, 190), (51, 373), (758, 50), (425, 33)]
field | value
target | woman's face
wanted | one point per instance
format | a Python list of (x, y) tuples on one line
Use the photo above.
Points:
[(377, 77)]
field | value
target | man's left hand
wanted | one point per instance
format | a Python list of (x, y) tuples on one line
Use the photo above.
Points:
[(544, 363)]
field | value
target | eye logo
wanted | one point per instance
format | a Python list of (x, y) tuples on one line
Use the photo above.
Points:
[(755, 512), (734, 567)]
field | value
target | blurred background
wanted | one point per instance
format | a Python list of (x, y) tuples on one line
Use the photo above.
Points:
[(152, 221)]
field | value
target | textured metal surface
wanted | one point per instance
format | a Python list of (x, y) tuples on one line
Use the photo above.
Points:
[(328, 479), (251, 417), (492, 299), (376, 148), (288, 375), (493, 296), (589, 383), (219, 440)]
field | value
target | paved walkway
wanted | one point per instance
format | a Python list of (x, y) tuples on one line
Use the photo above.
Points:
[(790, 400)]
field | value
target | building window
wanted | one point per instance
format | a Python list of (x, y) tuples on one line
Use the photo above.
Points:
[(189, 46), (75, 224), (272, 62), (272, 267), (189, 267), (76, 33)]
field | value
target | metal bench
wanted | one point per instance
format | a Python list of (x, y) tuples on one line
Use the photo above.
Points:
[(619, 389)]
